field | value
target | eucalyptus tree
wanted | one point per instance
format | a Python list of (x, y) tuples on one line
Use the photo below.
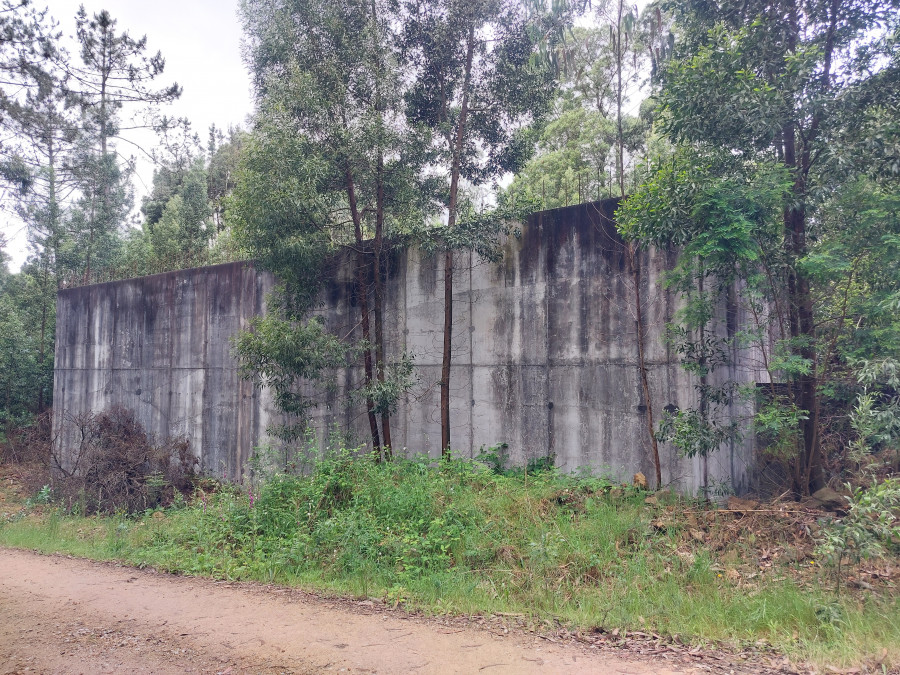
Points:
[(330, 111), (480, 83), (775, 107)]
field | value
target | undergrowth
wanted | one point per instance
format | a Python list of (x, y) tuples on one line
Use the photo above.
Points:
[(456, 537)]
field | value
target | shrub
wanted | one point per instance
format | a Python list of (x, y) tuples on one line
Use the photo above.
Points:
[(871, 528), (118, 467)]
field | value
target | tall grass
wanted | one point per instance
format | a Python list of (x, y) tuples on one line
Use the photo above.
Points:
[(456, 537)]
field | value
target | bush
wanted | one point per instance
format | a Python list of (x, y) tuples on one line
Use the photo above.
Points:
[(871, 528), (118, 467)]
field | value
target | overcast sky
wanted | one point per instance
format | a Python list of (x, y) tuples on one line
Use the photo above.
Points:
[(200, 41)]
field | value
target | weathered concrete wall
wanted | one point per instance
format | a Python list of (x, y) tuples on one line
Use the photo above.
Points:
[(545, 356), (159, 345)]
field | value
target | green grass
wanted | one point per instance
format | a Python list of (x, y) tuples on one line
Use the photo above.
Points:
[(457, 538)]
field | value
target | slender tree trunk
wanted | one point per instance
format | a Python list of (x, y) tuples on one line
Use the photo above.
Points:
[(620, 137), (704, 382), (810, 475), (9, 424), (51, 237), (378, 250), (642, 362), (633, 255), (103, 212), (814, 477), (42, 349), (380, 275), (448, 257), (446, 355), (362, 293), (87, 269)]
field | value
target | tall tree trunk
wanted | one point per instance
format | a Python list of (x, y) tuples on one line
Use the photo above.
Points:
[(380, 274), (810, 475), (448, 257), (45, 272), (634, 259), (87, 269), (704, 382), (642, 361), (620, 136), (814, 477), (446, 354), (378, 249), (362, 295), (42, 349)]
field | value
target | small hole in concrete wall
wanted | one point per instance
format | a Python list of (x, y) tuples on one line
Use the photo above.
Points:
[(642, 408), (137, 392), (550, 405)]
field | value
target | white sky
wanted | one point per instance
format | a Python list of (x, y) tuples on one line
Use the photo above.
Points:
[(200, 41)]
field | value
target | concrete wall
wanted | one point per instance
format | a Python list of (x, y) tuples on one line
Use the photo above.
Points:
[(159, 345), (544, 351)]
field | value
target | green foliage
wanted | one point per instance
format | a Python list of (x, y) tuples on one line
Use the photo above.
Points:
[(279, 210), (875, 418), (778, 423), (114, 72), (695, 433), (385, 393), (476, 229), (870, 529), (574, 158), (776, 181), (724, 214), (495, 458), (18, 366), (284, 355), (223, 158), (725, 217), (506, 90), (399, 523), (184, 226)]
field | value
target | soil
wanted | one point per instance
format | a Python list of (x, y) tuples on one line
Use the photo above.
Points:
[(66, 615)]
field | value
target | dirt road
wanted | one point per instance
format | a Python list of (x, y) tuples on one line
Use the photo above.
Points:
[(62, 615)]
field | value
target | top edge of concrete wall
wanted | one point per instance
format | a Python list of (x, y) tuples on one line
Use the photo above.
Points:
[(72, 289), (556, 218)]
